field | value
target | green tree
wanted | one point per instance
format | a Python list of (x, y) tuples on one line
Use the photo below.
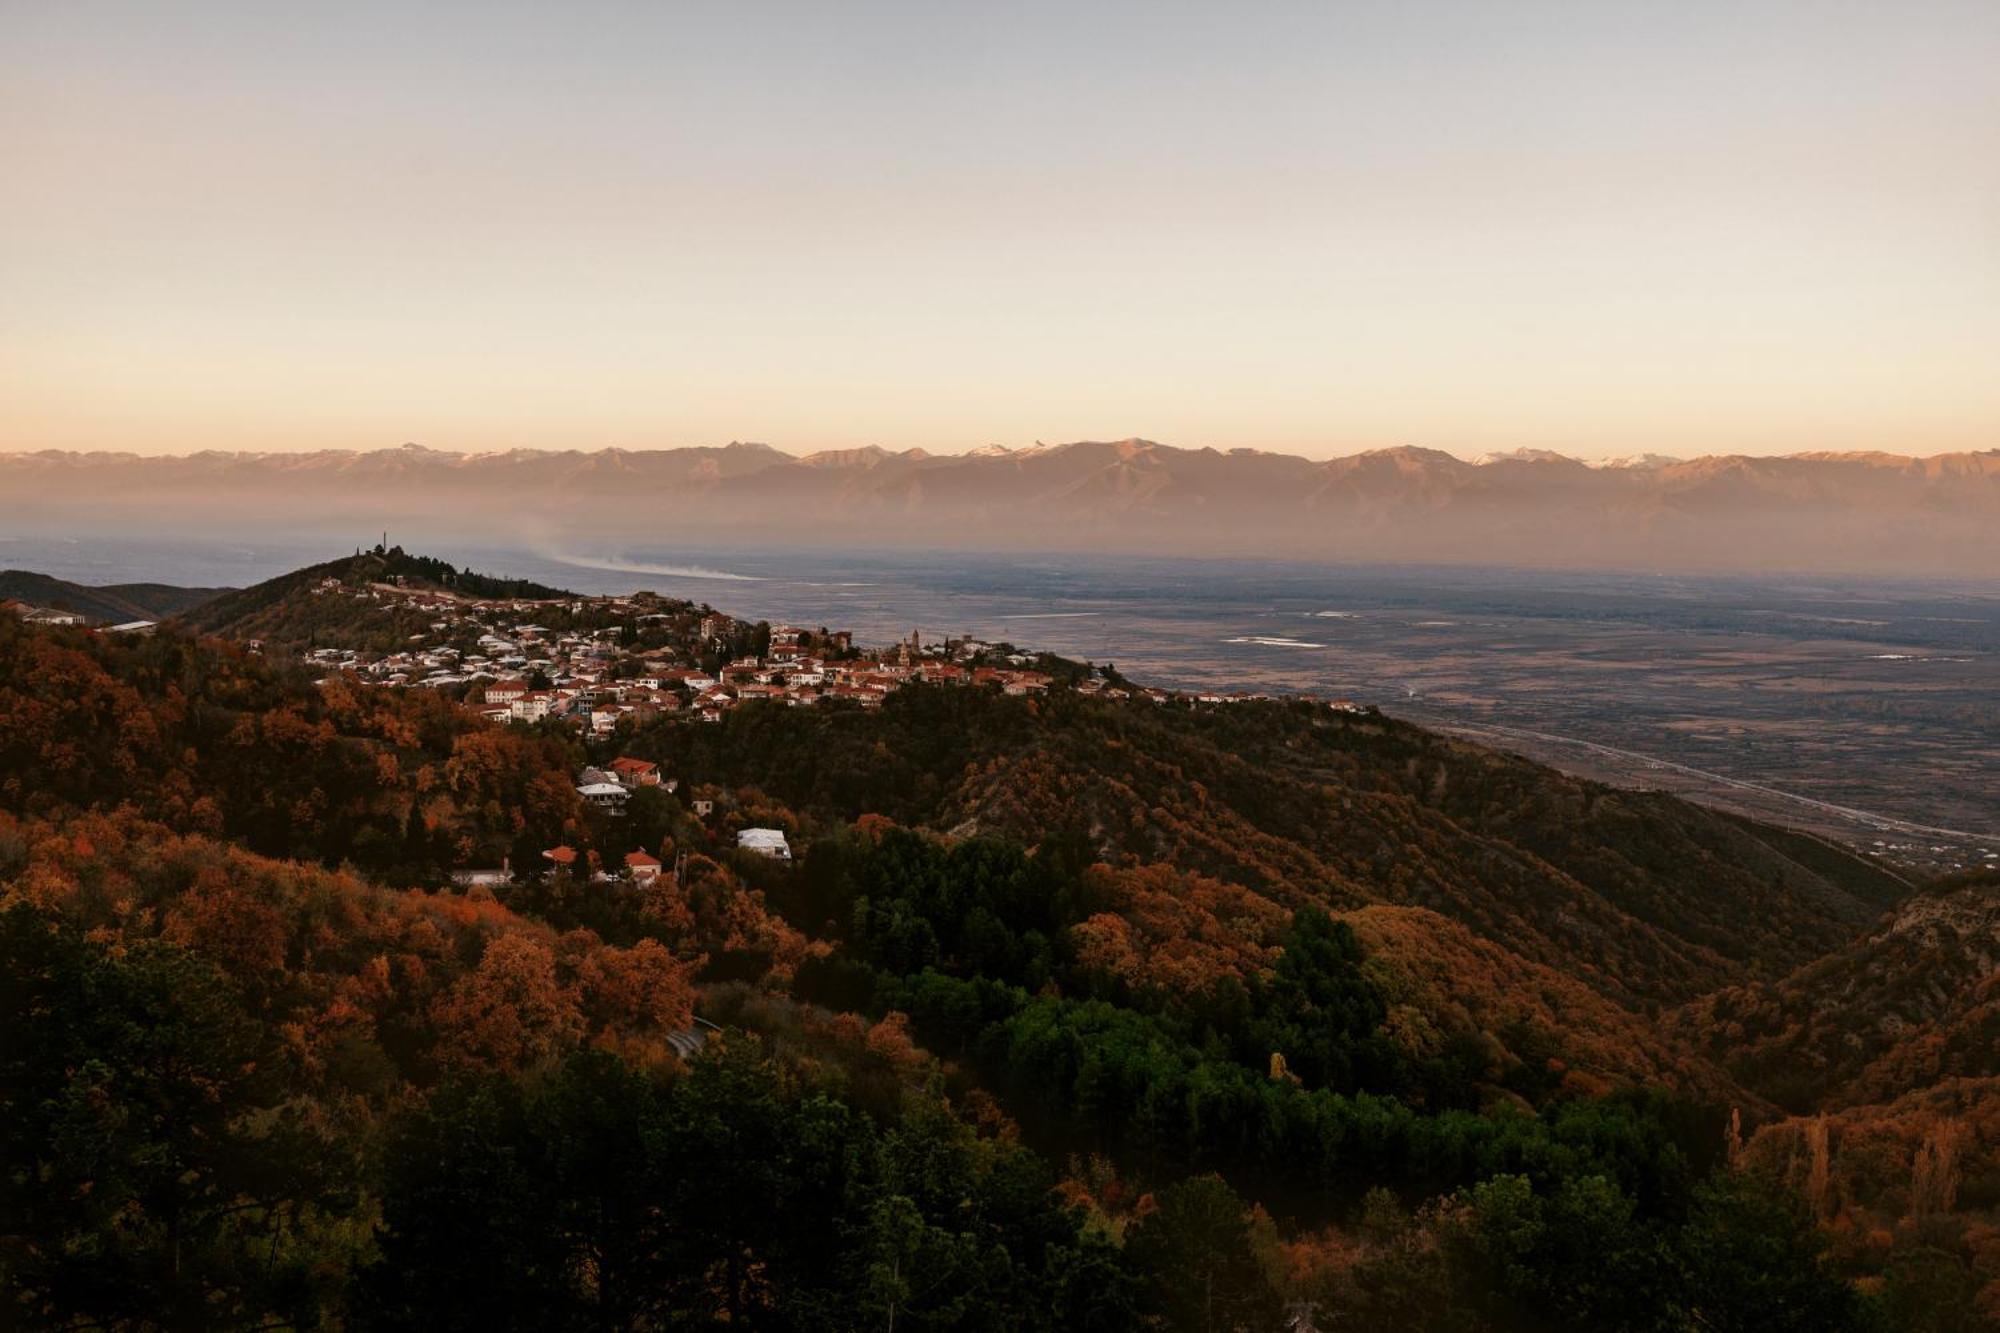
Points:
[(1580, 1258), (156, 1168), (466, 1198), (649, 818), (1195, 1250), (1751, 1261), (1321, 1010), (1930, 1289)]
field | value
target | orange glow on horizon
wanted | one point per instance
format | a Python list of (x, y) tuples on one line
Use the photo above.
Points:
[(1316, 232)]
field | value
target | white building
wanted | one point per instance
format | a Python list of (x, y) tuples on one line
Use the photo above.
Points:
[(765, 842), (609, 795)]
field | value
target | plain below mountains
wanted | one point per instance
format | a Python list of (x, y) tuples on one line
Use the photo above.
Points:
[(1873, 512)]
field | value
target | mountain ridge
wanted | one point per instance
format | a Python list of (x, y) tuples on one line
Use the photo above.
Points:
[(1814, 510), (1129, 443)]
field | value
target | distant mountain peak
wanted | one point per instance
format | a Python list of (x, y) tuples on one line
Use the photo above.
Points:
[(1637, 462), (868, 455), (1523, 455)]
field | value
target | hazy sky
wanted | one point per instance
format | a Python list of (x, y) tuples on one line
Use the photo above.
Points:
[(1600, 227)]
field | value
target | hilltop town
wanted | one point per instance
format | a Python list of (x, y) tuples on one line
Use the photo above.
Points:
[(602, 668), (596, 662)]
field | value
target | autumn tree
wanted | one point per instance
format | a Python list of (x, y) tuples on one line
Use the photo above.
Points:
[(510, 1012)]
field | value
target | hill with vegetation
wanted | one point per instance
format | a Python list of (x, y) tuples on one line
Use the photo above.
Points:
[(357, 600), (1070, 1012), (1644, 898), (116, 603), (1911, 1004)]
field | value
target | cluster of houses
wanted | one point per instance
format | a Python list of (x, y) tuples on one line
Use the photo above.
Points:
[(518, 671), (493, 655), (685, 662), (786, 674), (608, 788), (473, 642)]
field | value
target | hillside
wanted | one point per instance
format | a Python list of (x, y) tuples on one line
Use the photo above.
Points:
[(1905, 1188), (114, 603), (347, 601), (1641, 897), (207, 738), (1913, 1004), (1533, 1027), (1815, 511), (1063, 998)]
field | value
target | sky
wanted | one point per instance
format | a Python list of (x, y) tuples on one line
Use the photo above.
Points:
[(1599, 227)]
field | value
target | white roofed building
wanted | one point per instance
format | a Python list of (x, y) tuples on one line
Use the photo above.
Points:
[(765, 842), (608, 795)]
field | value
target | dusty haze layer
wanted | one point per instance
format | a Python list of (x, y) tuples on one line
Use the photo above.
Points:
[(1873, 512)]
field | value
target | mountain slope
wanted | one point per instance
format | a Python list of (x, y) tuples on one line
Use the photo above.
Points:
[(1447, 984), (1642, 898), (113, 603), (1914, 1003), (348, 600)]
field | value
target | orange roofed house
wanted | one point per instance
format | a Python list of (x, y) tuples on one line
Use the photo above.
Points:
[(632, 772)]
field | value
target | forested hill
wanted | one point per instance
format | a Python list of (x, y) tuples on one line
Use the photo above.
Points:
[(1642, 897), (1912, 1004), (111, 603), (1068, 1013), (288, 610)]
